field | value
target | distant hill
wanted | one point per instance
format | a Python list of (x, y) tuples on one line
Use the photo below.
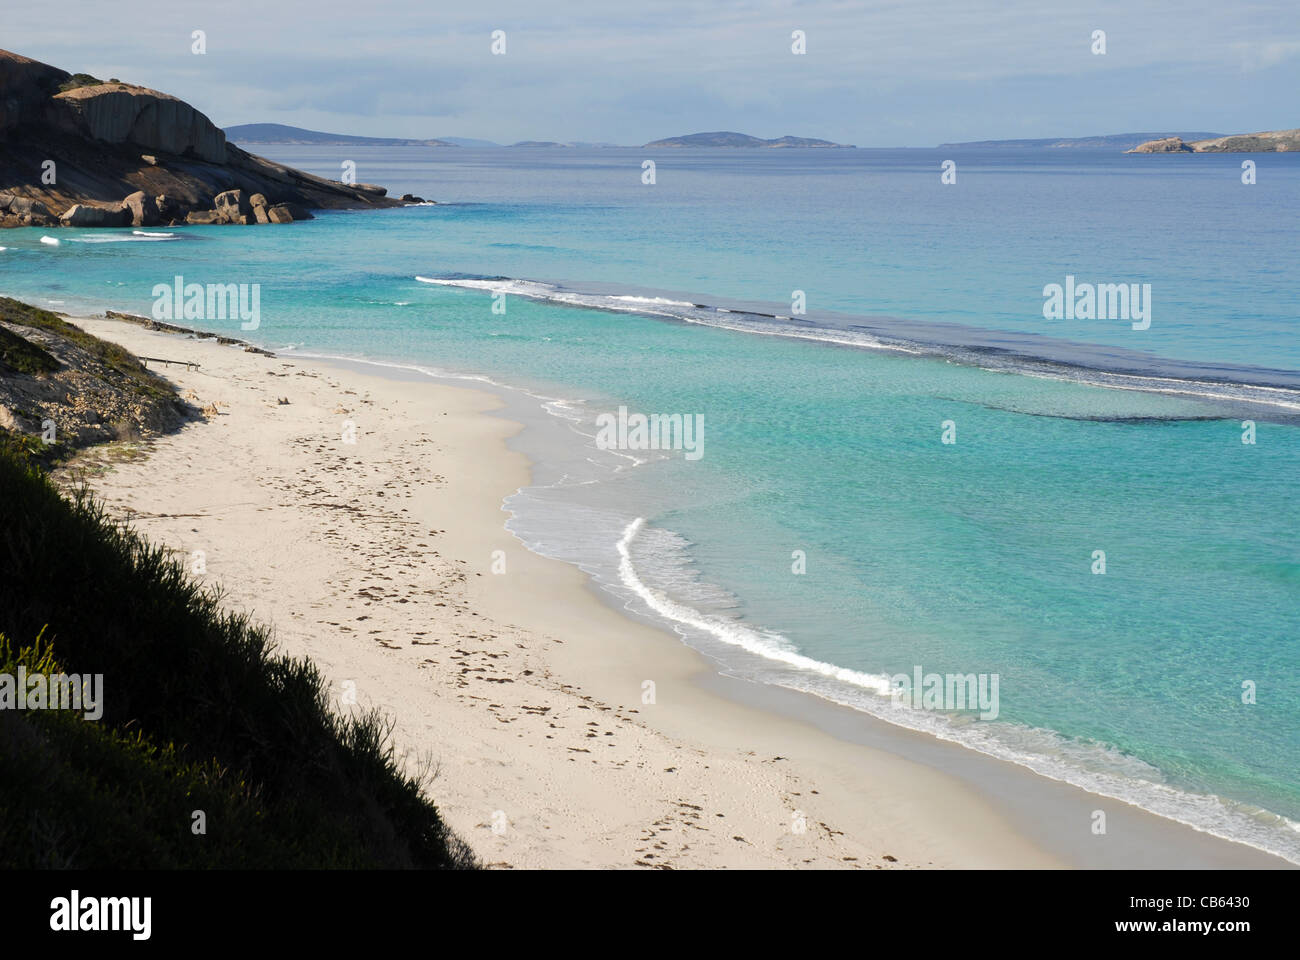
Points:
[(1270, 141), (469, 142), (1105, 142), (729, 139), (280, 133), (555, 143), (1113, 141)]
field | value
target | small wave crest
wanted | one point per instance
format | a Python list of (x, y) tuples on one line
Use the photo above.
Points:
[(770, 646), (1034, 356), (136, 236)]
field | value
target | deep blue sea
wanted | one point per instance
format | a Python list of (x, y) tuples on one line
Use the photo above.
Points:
[(1171, 680)]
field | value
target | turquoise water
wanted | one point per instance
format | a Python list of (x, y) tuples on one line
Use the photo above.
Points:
[(969, 557)]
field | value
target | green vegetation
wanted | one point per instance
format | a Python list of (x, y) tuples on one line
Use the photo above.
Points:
[(199, 713), (19, 354), (118, 360), (78, 80)]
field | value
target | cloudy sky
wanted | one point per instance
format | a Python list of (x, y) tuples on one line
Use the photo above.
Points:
[(896, 73)]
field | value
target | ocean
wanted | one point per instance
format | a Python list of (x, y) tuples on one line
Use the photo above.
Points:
[(919, 469)]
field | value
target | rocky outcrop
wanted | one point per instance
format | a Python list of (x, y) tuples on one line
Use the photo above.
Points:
[(139, 156), (1164, 145), (87, 215), (232, 207), (142, 208), (1270, 141), (124, 114), (25, 211)]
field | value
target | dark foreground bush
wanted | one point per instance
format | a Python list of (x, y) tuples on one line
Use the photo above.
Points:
[(198, 714)]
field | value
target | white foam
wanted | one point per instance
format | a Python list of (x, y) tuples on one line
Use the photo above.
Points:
[(537, 290), (136, 236), (664, 301), (782, 326), (770, 646), (50, 241), (1098, 768)]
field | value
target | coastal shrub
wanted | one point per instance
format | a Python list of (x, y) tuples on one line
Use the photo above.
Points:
[(142, 382), (79, 80), (115, 799), (197, 708), (21, 355)]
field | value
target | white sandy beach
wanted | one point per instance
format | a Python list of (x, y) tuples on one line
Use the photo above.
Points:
[(523, 688)]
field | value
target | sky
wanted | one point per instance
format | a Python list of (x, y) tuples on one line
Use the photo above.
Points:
[(875, 74)]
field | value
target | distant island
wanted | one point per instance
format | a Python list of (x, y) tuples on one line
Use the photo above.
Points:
[(1112, 141), (729, 139), (1270, 141), (556, 143), (282, 133)]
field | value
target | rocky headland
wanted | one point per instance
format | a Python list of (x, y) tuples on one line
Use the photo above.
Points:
[(81, 152), (1270, 141)]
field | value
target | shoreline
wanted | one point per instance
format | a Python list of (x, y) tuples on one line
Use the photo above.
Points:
[(881, 788), (907, 737)]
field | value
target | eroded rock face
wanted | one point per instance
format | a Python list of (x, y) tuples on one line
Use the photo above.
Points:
[(25, 211), (84, 215), (233, 207), (142, 208), (122, 113), (260, 207), (169, 210)]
